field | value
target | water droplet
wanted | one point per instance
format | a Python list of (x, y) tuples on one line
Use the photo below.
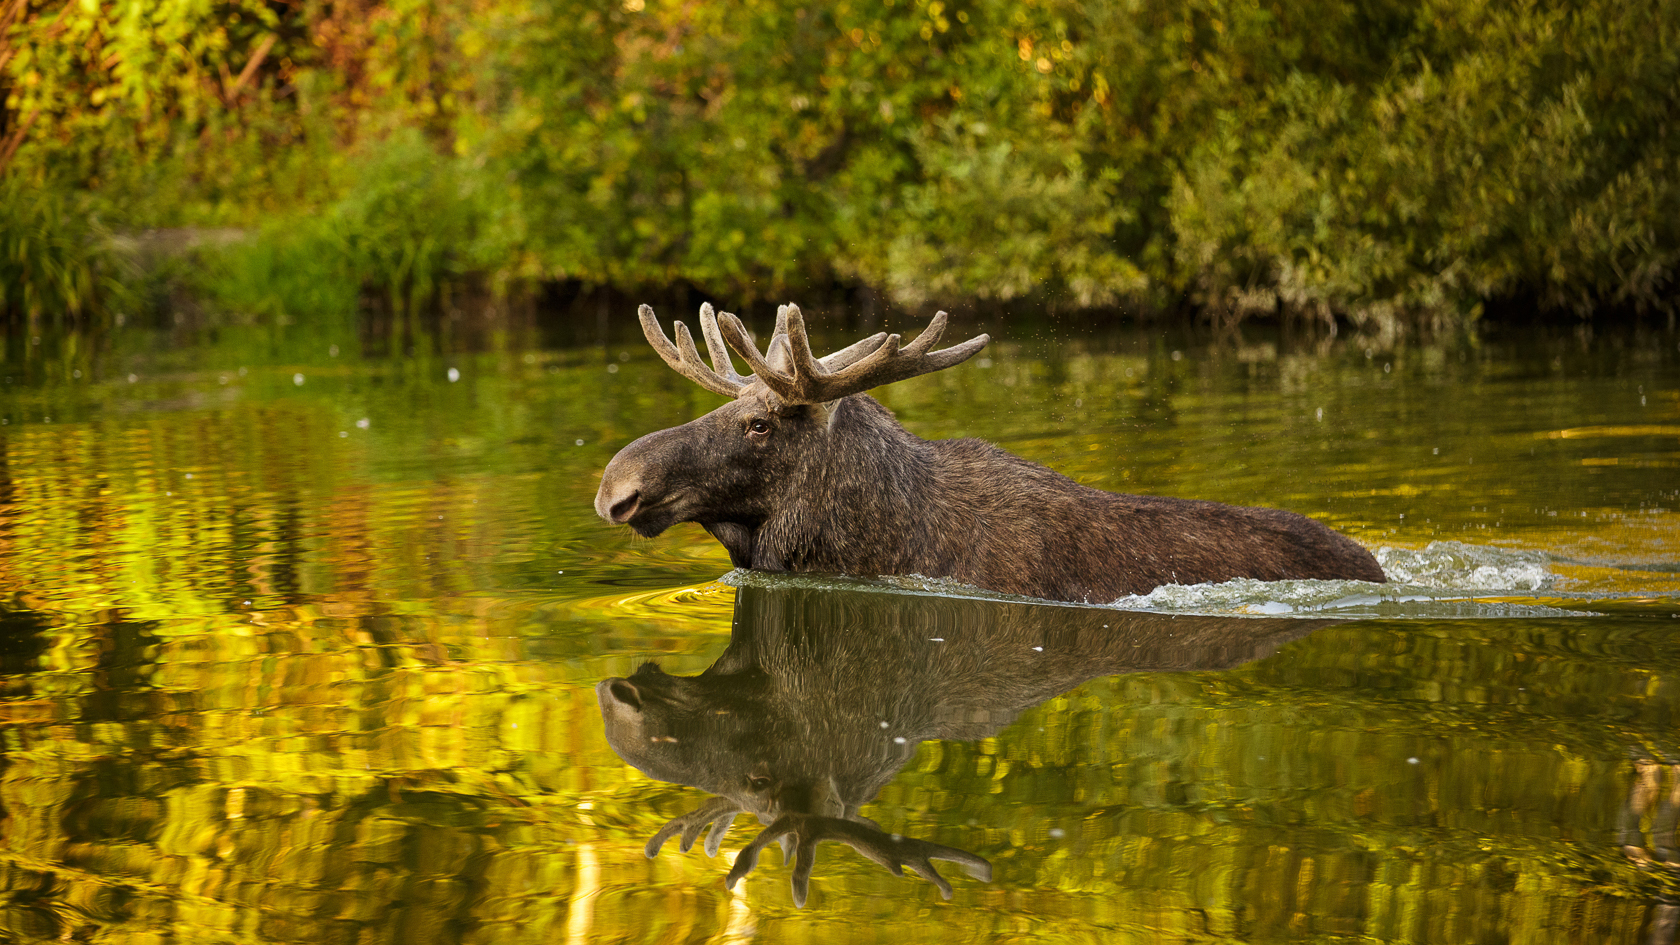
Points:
[(332, 351), (133, 377), (1057, 833), (1411, 761), (612, 369), (1038, 649), (342, 434), (883, 725), (454, 375), (579, 443), (1319, 414), (297, 379), (898, 740), (362, 424)]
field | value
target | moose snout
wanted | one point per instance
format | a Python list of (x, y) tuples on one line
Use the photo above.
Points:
[(618, 506), (637, 487), (620, 494)]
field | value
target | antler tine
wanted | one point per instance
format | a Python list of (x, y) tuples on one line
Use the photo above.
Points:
[(889, 364), (919, 854), (684, 359), (717, 813), (875, 361), (853, 353), (715, 348), (736, 334), (808, 830), (808, 373), (929, 336), (805, 854)]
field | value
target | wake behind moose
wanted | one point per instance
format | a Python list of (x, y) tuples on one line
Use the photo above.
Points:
[(805, 472)]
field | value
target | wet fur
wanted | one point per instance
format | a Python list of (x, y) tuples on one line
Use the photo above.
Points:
[(844, 488)]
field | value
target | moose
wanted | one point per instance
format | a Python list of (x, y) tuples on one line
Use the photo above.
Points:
[(823, 695), (805, 472)]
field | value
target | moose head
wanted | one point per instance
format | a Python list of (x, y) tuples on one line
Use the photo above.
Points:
[(805, 472), (767, 458)]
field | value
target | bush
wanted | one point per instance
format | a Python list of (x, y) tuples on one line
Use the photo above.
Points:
[(54, 261), (409, 221)]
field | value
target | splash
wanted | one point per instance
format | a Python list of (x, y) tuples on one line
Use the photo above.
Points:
[(1445, 580), (1454, 565)]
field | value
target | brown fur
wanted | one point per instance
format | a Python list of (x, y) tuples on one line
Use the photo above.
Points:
[(843, 488)]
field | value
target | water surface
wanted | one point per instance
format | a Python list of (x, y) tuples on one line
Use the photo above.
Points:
[(300, 636)]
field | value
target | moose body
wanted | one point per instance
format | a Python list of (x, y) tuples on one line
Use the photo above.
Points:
[(804, 472)]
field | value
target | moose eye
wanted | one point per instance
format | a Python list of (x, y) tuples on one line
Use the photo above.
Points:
[(759, 425), (759, 784)]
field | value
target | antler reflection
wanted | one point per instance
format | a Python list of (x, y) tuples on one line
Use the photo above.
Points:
[(718, 814), (801, 833)]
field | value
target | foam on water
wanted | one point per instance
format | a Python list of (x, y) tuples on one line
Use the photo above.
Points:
[(1455, 565), (1445, 580)]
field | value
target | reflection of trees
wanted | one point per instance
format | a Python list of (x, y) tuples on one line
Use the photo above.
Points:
[(389, 739), (822, 697)]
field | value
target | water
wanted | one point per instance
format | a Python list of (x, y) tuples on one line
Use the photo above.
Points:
[(300, 639)]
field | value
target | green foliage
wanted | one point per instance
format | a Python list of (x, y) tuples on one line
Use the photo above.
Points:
[(53, 260), (1504, 148), (407, 222), (1376, 162)]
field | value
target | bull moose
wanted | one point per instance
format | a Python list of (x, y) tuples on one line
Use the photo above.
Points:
[(803, 471), (823, 695)]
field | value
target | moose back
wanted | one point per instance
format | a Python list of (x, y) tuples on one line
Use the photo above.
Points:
[(803, 471)]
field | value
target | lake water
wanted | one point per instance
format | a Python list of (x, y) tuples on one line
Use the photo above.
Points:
[(301, 634)]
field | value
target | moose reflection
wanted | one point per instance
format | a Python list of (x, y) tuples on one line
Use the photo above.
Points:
[(823, 695)]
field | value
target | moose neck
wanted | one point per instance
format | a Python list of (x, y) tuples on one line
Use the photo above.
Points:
[(862, 504)]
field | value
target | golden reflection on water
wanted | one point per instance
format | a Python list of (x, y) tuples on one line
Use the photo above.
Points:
[(268, 673)]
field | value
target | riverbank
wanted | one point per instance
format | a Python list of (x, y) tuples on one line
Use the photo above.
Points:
[(1375, 172)]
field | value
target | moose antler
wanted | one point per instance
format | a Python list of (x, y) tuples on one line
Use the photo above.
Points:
[(717, 813), (685, 359), (869, 363), (894, 853)]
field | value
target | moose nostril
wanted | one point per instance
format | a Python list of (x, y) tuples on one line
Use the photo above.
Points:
[(625, 507)]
